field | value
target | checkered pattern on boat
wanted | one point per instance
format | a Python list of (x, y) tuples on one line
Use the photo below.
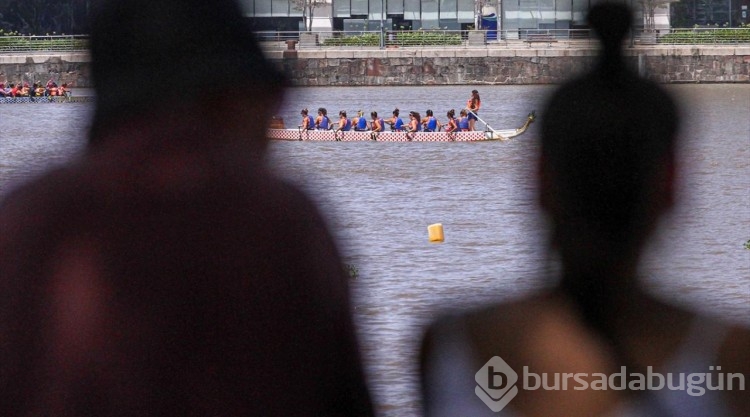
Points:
[(352, 136), (283, 134), (48, 99), (12, 100)]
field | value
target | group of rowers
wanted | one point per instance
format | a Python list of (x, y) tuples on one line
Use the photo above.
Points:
[(51, 89), (464, 123)]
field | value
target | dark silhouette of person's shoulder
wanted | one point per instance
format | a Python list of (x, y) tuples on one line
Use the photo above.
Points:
[(511, 329)]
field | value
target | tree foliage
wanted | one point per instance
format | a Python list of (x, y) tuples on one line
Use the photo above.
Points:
[(308, 10)]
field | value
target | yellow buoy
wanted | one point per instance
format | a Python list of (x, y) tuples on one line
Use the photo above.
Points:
[(435, 231)]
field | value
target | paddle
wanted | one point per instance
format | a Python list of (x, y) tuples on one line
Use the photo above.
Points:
[(485, 123)]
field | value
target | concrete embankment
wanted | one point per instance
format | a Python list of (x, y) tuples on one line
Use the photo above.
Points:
[(520, 64)]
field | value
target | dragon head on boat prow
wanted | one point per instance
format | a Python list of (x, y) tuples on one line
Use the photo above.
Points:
[(531, 117)]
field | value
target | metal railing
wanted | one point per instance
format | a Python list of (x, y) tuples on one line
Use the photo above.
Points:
[(60, 43), (508, 38), (277, 35)]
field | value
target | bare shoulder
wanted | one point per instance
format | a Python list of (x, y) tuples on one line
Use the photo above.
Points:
[(504, 328), (734, 359), (533, 336), (736, 348)]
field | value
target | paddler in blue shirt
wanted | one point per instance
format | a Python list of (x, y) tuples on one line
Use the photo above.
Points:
[(360, 122), (430, 123), (463, 121), (322, 122), (397, 125), (345, 124), (308, 123)]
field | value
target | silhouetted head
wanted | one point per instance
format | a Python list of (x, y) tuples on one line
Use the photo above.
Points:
[(149, 53), (611, 23), (607, 154)]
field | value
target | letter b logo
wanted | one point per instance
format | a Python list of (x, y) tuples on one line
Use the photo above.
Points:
[(496, 383)]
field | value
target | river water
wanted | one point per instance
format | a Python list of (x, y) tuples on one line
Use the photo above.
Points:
[(380, 198)]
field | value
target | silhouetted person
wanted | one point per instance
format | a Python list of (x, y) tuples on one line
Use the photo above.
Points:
[(167, 272), (606, 175)]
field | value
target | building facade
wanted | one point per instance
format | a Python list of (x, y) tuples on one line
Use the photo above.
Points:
[(427, 14), (707, 13)]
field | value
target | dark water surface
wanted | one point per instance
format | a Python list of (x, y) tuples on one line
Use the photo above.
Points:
[(380, 198)]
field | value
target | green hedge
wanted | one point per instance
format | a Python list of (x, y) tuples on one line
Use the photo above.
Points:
[(368, 39), (11, 41), (708, 36), (427, 38), (416, 38)]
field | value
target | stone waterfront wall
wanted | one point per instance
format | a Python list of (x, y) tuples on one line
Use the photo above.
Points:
[(71, 68), (411, 66), (523, 65)]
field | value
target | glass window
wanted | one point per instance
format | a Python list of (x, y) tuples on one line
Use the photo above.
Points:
[(294, 12), (375, 9), (359, 7), (395, 6), (450, 24), (547, 4), (563, 12), (263, 8), (448, 9), (580, 8), (342, 8), (465, 11), (280, 8), (246, 6), (430, 12), (412, 10)]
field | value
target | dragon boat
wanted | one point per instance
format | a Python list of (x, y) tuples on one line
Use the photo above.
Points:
[(47, 99), (390, 136)]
